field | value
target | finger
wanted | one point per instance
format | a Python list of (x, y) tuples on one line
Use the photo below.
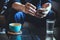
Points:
[(39, 12), (31, 9), (28, 7), (29, 12), (38, 15), (29, 4)]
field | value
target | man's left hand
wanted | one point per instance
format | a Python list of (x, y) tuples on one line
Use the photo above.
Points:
[(42, 12)]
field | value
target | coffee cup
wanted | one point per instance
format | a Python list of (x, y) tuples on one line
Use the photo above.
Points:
[(15, 27)]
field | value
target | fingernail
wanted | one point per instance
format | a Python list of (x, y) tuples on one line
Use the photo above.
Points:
[(34, 10)]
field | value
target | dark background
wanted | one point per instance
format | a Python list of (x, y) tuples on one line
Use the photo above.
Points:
[(56, 7)]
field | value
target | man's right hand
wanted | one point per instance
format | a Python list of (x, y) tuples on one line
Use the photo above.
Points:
[(30, 9)]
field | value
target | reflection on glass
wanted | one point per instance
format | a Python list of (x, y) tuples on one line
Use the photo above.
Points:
[(49, 29)]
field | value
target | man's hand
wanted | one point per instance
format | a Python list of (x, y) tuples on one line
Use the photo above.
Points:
[(30, 9), (42, 12), (47, 7)]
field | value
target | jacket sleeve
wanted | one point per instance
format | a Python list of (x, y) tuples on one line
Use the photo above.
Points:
[(12, 1)]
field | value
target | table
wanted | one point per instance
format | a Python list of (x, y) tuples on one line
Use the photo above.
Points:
[(26, 35)]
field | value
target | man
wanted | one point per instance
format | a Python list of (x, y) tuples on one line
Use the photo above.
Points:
[(28, 12)]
